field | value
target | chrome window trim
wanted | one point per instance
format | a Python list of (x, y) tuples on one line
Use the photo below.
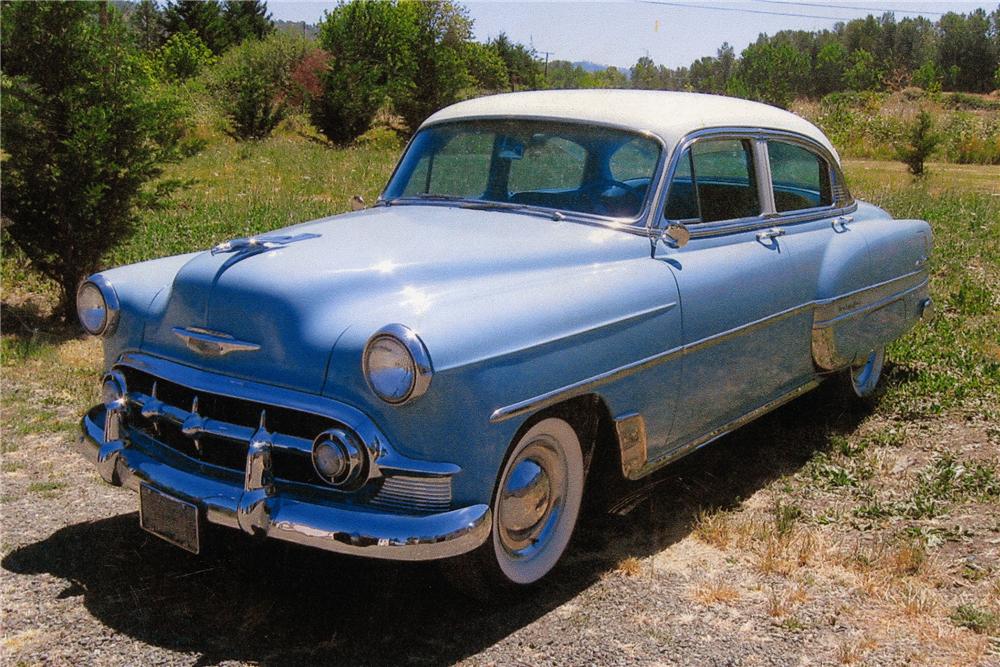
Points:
[(631, 225), (846, 204)]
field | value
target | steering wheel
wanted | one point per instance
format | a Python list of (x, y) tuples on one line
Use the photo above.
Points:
[(594, 194)]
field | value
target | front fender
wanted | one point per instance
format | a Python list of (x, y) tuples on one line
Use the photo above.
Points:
[(137, 286), (537, 334)]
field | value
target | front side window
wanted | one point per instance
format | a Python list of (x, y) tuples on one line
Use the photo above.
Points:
[(714, 180), (563, 166), (801, 178)]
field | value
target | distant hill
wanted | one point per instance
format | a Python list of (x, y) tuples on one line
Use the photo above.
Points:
[(298, 28), (589, 66)]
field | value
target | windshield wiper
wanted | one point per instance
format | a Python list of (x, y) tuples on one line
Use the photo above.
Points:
[(485, 205), (479, 204)]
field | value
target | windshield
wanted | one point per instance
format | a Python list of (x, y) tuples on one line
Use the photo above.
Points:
[(526, 163)]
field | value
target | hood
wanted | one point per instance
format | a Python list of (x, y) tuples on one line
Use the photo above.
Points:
[(287, 302)]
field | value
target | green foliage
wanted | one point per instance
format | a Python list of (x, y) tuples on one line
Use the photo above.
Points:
[(770, 73), (182, 57), (204, 17), (486, 67), (977, 619), (921, 141), (246, 19), (371, 64), (440, 30), (251, 82), (928, 77), (523, 68), (863, 73), (84, 127), (146, 23)]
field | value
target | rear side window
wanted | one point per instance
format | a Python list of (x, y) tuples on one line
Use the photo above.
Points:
[(801, 178), (714, 180)]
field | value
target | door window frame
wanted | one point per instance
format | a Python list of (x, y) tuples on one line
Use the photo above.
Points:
[(843, 202)]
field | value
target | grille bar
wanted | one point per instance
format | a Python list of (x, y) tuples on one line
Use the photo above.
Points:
[(195, 426)]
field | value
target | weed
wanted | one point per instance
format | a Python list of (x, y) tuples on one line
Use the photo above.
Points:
[(785, 516), (980, 621), (46, 489)]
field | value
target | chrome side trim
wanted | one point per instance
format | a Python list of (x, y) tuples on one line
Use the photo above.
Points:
[(584, 386), (581, 387), (840, 307), (302, 520), (834, 308), (212, 343), (825, 350), (716, 433), (631, 430)]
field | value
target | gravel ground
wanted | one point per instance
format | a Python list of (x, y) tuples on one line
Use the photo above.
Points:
[(81, 583)]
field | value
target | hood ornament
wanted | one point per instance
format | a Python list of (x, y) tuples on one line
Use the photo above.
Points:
[(210, 343), (257, 244)]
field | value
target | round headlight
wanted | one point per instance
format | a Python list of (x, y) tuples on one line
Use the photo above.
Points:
[(396, 364), (338, 457), (97, 306)]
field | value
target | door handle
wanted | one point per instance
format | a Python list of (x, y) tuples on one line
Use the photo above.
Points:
[(772, 233)]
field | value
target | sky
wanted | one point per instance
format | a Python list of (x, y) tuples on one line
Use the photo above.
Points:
[(672, 33)]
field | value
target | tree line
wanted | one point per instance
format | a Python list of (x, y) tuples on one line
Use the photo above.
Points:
[(99, 95)]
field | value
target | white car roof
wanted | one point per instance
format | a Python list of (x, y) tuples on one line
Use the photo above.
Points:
[(667, 114)]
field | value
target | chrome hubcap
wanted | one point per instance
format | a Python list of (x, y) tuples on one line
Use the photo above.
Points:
[(531, 498)]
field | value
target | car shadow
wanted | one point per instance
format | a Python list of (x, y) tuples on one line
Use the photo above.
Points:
[(282, 605)]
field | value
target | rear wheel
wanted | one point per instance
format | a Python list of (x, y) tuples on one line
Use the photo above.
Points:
[(535, 508)]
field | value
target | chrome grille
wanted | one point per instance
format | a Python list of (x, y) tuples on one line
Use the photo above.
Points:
[(403, 492), (218, 429)]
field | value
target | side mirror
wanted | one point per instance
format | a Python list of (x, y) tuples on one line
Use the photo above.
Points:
[(357, 203), (676, 235)]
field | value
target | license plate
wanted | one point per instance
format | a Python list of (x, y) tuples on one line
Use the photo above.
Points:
[(169, 518)]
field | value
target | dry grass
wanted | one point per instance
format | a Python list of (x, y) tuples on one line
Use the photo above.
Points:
[(630, 567), (715, 591), (714, 528)]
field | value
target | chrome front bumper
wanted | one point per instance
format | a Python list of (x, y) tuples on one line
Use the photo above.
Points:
[(307, 521)]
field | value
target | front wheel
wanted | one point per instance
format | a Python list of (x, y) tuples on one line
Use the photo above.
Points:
[(864, 377), (535, 507)]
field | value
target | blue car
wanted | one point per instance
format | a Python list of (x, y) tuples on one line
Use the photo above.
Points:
[(546, 276)]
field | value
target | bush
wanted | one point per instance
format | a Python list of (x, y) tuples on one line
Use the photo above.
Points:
[(921, 140), (371, 64), (251, 83), (85, 125), (182, 57)]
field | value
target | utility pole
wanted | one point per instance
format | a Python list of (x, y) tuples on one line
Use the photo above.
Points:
[(547, 54)]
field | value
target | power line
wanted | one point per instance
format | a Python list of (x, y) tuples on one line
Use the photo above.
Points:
[(837, 5), (740, 9)]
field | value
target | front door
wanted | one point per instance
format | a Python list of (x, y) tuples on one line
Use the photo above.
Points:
[(745, 312)]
